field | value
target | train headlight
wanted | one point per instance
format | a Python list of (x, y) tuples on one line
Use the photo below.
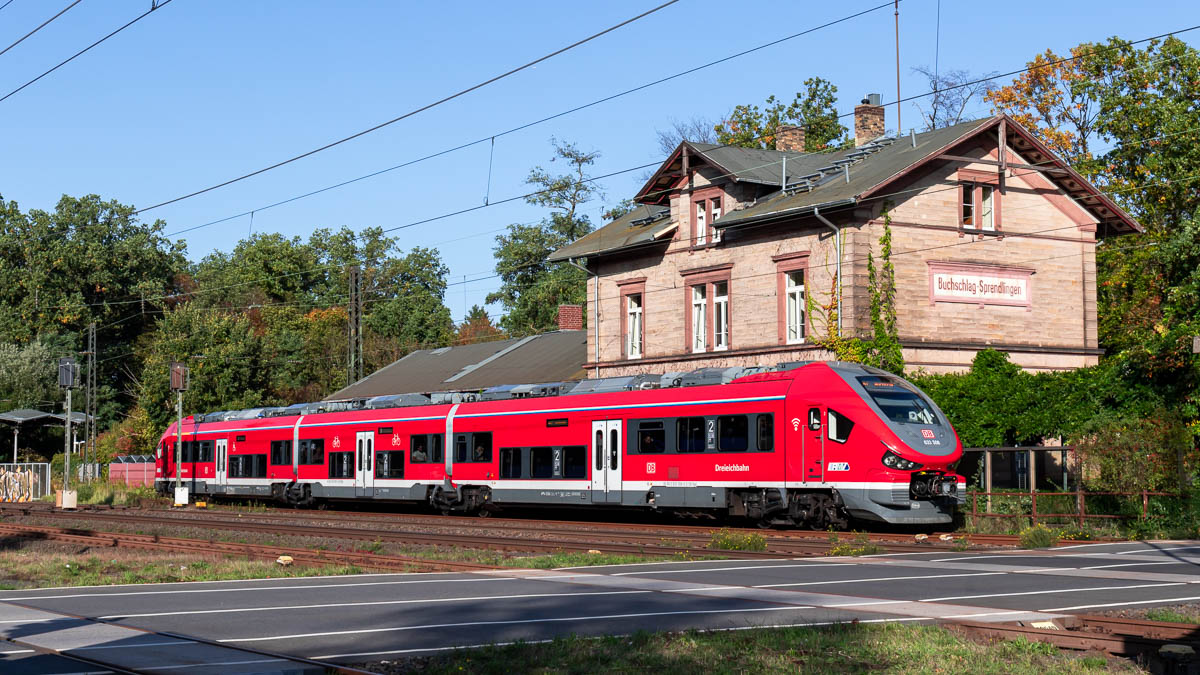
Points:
[(893, 461)]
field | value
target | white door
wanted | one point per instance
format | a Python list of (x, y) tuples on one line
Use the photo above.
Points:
[(222, 457), (606, 461), (364, 462)]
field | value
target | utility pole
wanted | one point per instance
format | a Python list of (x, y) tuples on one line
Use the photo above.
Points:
[(354, 361), (179, 384), (68, 372), (89, 421)]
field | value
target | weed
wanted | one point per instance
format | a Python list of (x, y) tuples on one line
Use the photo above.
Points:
[(372, 547), (1038, 536), (725, 539), (862, 545), (1076, 534)]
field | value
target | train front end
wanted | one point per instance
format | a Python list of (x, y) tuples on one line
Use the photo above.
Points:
[(904, 455)]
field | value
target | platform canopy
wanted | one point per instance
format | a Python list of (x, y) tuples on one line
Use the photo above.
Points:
[(28, 415)]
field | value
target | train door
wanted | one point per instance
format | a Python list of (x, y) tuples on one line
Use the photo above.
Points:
[(364, 460), (814, 444), (606, 461), (221, 459)]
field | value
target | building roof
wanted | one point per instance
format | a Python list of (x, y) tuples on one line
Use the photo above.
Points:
[(839, 179), (549, 357), (26, 415), (641, 226)]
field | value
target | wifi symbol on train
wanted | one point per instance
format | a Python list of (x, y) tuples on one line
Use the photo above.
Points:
[(795, 424)]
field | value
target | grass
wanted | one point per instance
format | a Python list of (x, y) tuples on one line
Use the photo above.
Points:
[(1038, 536), (38, 569), (862, 545), (1174, 615), (845, 648), (725, 539)]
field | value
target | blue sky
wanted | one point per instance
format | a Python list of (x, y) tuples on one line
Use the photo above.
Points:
[(202, 91)]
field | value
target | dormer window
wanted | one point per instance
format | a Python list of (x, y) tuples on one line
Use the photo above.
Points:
[(978, 201)]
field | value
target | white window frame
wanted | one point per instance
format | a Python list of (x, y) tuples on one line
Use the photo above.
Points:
[(715, 213), (634, 325), (794, 319), (699, 318), (720, 316), (987, 205), (701, 228)]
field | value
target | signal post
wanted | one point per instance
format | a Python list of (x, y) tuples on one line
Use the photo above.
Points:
[(68, 372), (179, 384)]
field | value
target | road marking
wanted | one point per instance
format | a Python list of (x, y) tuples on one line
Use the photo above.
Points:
[(247, 590), (18, 651), (1101, 567), (242, 581), (1008, 613), (209, 664), (1163, 601), (722, 569), (1157, 550), (1057, 590), (138, 645), (362, 604), (596, 617), (853, 581)]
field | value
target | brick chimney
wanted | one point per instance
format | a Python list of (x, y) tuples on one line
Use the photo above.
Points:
[(789, 138), (570, 317), (868, 120)]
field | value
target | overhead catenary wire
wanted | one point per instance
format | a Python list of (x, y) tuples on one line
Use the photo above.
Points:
[(548, 118), (43, 25), (451, 97), (644, 166)]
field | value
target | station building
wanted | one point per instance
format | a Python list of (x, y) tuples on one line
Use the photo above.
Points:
[(731, 253)]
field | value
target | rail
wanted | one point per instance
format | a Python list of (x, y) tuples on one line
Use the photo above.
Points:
[(1080, 498)]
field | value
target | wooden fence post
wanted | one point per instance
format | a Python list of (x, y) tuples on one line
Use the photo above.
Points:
[(987, 477)]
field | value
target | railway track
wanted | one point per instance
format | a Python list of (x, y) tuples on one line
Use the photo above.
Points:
[(300, 556), (507, 535), (1134, 638)]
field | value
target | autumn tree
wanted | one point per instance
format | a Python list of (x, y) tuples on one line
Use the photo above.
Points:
[(531, 288), (814, 109), (477, 327)]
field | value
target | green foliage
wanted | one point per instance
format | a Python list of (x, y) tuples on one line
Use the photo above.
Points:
[(28, 377), (725, 539), (532, 289), (1038, 536), (814, 109), (1135, 454), (884, 350), (1076, 534), (862, 545)]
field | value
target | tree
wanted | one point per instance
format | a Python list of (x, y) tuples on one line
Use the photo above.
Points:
[(411, 310), (953, 91), (697, 130), (532, 289), (814, 109), (27, 376), (267, 268), (477, 327)]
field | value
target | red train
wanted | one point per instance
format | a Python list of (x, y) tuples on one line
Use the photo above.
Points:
[(804, 444)]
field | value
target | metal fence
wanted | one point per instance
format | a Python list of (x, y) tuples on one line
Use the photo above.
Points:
[(24, 482), (1078, 500)]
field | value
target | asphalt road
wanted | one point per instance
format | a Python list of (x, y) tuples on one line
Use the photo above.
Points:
[(368, 617)]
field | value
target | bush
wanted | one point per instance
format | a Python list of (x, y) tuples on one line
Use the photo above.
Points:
[(1076, 534), (862, 545), (1038, 536), (727, 540)]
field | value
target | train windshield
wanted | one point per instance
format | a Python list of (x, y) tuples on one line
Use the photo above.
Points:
[(897, 401)]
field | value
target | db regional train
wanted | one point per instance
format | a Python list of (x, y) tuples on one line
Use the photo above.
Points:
[(805, 444)]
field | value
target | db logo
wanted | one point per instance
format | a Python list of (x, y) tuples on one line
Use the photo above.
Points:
[(396, 441), (337, 442), (651, 467), (927, 433)]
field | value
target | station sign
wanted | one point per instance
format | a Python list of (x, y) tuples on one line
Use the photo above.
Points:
[(979, 284)]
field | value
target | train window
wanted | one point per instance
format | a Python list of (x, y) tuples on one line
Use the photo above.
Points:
[(575, 462), (599, 451), (839, 427), (341, 464), (281, 453), (652, 437), (437, 448), (389, 464), (418, 445), (510, 462), (248, 466), (206, 451), (766, 433), (482, 445), (689, 434), (733, 433), (898, 401), (541, 463), (460, 448), (312, 451)]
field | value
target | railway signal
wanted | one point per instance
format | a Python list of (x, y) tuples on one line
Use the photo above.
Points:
[(179, 384)]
